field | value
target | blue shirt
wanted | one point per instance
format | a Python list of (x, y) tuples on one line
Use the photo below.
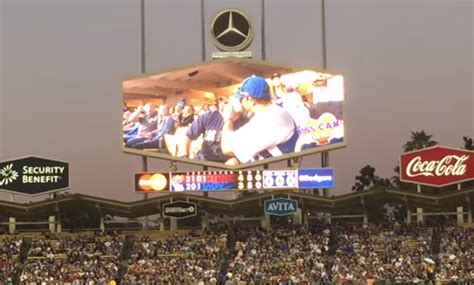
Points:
[(210, 126)]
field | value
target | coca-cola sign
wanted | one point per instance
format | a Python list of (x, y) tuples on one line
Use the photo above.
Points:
[(437, 166)]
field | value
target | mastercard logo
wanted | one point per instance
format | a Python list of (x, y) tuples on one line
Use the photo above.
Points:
[(152, 182)]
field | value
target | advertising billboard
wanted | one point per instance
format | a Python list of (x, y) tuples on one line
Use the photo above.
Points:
[(437, 166), (280, 206), (179, 209), (205, 181), (33, 176), (233, 113)]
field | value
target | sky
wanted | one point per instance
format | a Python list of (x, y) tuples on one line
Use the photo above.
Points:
[(408, 65)]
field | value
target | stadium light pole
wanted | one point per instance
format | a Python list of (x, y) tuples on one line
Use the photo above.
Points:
[(203, 33), (143, 70), (324, 154), (203, 59), (264, 51)]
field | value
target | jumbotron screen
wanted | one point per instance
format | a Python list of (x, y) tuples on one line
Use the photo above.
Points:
[(233, 113), (149, 182)]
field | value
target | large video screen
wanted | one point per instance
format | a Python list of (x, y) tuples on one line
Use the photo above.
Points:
[(233, 113)]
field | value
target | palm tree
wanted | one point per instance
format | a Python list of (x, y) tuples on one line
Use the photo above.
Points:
[(419, 140), (367, 179), (468, 143)]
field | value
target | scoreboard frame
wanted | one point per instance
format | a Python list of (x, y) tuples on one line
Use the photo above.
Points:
[(241, 180)]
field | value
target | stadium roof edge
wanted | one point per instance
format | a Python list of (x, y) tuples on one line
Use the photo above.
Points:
[(149, 206)]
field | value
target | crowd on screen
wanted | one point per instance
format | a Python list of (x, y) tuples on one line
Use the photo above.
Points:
[(276, 113)]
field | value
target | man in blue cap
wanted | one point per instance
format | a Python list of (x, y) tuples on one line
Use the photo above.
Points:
[(270, 132)]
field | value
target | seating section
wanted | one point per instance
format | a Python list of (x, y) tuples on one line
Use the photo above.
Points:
[(386, 253)]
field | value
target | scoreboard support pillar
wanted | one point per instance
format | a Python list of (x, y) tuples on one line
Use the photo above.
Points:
[(206, 194), (294, 163), (305, 218), (265, 221), (52, 223), (365, 216), (419, 215), (145, 196), (325, 163), (469, 214), (408, 219), (59, 226), (419, 211), (12, 225), (460, 215), (297, 217), (460, 209), (204, 221), (102, 224), (173, 224), (162, 225)]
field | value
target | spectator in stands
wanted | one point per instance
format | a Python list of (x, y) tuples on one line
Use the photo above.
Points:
[(187, 117), (204, 109), (177, 113), (144, 118), (155, 139), (270, 132)]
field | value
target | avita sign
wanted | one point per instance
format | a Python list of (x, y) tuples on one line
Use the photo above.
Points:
[(437, 166)]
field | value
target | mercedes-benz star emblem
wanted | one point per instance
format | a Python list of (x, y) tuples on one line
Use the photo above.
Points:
[(231, 30)]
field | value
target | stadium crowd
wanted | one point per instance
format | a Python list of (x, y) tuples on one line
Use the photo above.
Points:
[(177, 260), (390, 253), (73, 259), (9, 255)]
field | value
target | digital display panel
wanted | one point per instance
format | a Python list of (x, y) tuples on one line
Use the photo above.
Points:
[(202, 181), (234, 180), (233, 113)]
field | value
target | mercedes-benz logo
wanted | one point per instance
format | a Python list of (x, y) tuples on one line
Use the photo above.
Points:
[(231, 30)]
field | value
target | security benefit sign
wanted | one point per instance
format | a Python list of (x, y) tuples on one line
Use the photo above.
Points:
[(179, 209), (33, 175), (281, 206), (437, 166)]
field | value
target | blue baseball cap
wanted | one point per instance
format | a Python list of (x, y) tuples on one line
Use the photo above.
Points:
[(255, 87)]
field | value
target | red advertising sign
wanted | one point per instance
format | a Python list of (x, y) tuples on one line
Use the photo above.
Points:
[(437, 166)]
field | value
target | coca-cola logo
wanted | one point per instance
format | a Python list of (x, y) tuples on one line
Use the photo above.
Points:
[(417, 167), (437, 166)]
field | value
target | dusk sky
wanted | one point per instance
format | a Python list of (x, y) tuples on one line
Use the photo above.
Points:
[(408, 65)]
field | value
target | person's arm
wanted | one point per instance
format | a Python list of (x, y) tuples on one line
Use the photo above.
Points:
[(169, 127), (226, 139), (184, 122), (262, 132), (134, 116), (187, 146), (151, 134)]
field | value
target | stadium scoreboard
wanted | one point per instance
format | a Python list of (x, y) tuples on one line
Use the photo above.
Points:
[(234, 180)]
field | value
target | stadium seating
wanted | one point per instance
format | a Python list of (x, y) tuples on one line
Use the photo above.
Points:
[(290, 254)]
